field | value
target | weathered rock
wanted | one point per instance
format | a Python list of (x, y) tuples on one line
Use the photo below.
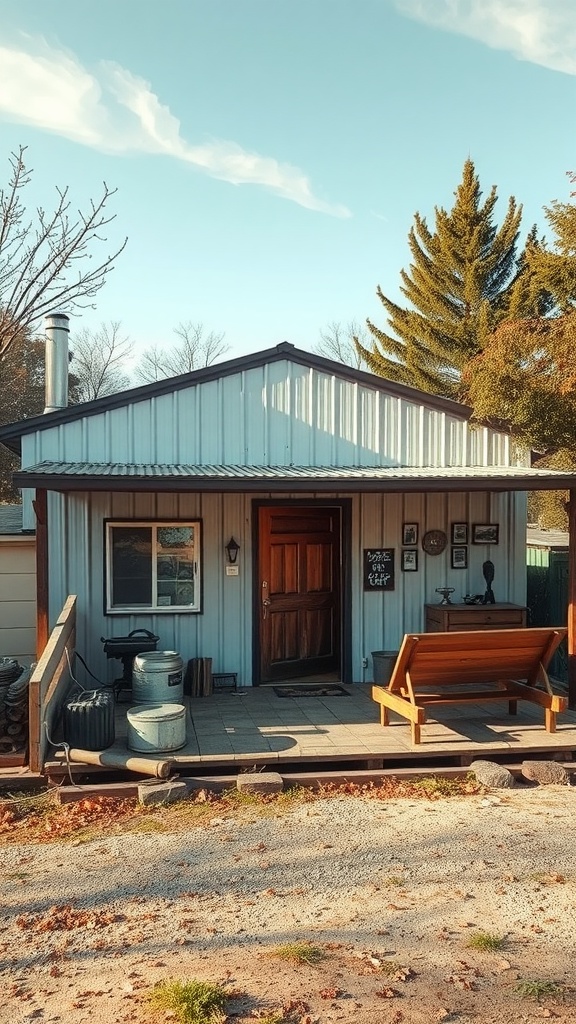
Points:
[(496, 776), (546, 773), (260, 782), (162, 792)]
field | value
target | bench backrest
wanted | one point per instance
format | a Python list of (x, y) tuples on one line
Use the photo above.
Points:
[(478, 656)]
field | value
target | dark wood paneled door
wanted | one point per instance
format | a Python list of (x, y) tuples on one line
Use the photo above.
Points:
[(299, 591)]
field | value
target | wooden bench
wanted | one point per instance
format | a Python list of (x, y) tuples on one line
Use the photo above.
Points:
[(451, 668)]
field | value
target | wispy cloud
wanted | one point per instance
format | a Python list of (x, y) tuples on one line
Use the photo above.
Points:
[(112, 110), (540, 31)]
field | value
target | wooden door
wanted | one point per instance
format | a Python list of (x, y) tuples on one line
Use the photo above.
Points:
[(298, 582)]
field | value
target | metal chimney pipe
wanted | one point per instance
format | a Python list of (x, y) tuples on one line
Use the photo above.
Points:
[(56, 367)]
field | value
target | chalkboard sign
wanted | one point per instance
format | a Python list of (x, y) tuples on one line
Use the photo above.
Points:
[(378, 568)]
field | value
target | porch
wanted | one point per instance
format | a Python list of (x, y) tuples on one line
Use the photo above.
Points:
[(231, 732)]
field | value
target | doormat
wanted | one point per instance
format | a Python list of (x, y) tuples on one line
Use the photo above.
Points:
[(311, 690)]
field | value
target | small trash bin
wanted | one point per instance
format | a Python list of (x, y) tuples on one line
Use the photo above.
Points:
[(382, 665)]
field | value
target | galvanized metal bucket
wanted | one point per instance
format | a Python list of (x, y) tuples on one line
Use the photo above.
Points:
[(156, 728), (157, 678)]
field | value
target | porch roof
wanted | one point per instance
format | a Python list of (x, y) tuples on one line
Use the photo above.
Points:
[(98, 476)]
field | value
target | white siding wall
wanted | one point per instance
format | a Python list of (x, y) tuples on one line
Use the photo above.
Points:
[(18, 598), (224, 630), (277, 415)]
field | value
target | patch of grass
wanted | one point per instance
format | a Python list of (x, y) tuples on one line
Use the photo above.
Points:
[(299, 953), (537, 989), (486, 942), (438, 785), (389, 967), (148, 825), (394, 880), (191, 1002), (547, 877)]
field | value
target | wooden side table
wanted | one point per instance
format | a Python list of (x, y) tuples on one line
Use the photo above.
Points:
[(450, 618)]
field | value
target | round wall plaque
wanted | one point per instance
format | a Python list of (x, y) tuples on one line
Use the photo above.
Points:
[(434, 542)]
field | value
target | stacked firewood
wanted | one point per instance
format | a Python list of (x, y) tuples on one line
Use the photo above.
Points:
[(14, 680)]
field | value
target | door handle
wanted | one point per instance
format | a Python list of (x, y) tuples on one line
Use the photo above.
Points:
[(265, 604)]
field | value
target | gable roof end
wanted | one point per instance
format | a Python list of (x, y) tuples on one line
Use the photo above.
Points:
[(11, 434)]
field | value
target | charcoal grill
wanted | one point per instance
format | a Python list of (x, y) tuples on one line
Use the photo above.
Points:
[(125, 649)]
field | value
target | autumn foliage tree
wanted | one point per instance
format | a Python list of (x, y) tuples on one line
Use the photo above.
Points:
[(525, 377)]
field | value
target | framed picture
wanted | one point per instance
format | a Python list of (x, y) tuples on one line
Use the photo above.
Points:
[(459, 533), (409, 533), (459, 557), (485, 533), (410, 560)]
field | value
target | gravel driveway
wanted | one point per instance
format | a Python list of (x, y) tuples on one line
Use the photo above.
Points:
[(391, 892)]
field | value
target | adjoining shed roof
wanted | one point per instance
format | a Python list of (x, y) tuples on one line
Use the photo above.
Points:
[(10, 520), (11, 434), (93, 476)]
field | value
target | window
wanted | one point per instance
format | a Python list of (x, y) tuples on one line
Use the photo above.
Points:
[(153, 566)]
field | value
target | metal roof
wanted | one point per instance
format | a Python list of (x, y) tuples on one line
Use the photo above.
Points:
[(10, 519), (11, 433), (536, 537), (89, 476)]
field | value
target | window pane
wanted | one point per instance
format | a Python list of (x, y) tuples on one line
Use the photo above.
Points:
[(175, 537), (175, 566), (131, 566)]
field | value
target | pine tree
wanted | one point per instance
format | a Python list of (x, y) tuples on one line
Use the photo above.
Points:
[(459, 286)]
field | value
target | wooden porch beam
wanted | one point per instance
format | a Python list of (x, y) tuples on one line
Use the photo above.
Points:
[(42, 630), (572, 599)]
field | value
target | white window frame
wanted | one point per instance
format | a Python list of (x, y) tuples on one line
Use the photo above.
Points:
[(154, 525)]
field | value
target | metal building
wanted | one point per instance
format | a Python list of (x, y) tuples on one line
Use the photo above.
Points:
[(348, 500)]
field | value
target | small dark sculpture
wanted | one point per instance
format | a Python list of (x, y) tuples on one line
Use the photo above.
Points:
[(488, 573)]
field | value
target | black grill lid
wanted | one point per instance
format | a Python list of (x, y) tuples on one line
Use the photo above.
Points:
[(137, 642)]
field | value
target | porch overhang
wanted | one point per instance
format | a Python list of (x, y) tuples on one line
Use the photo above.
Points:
[(90, 476)]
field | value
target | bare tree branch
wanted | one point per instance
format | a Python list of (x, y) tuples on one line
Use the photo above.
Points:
[(45, 259), (337, 341), (98, 362), (195, 349)]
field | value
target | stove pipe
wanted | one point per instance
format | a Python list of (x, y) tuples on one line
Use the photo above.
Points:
[(56, 367)]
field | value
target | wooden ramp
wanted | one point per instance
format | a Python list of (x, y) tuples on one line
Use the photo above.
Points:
[(471, 667)]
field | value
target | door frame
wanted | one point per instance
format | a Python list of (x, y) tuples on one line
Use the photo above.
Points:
[(345, 507)]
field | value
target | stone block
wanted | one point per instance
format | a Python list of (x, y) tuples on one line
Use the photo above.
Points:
[(260, 782), (162, 792), (546, 773), (496, 776)]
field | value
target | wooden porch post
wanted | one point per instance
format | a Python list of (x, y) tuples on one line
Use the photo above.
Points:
[(41, 510), (572, 600)]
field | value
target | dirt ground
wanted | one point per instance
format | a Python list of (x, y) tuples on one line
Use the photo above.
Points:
[(389, 894)]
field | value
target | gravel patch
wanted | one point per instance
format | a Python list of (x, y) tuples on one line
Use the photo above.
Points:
[(404, 882)]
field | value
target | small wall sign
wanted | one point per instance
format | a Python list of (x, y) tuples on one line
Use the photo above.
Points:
[(378, 568)]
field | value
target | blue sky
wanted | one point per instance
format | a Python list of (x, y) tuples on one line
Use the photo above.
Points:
[(270, 155)]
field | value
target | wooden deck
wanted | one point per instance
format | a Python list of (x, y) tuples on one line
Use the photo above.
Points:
[(255, 727)]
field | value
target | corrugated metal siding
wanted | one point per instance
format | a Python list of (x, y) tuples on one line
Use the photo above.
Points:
[(279, 414), (224, 631), (539, 556)]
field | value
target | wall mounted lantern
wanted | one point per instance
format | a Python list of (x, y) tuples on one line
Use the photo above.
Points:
[(232, 549)]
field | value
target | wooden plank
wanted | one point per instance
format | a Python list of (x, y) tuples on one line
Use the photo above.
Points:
[(49, 682), (477, 640), (399, 704)]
